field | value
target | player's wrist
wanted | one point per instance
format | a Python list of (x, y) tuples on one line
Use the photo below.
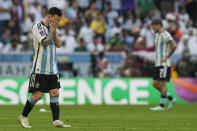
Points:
[(52, 29)]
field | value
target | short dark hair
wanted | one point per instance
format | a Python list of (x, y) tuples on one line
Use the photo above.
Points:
[(92, 2), (95, 37), (157, 22), (55, 11), (81, 40)]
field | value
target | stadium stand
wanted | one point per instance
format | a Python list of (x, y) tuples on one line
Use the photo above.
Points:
[(121, 27)]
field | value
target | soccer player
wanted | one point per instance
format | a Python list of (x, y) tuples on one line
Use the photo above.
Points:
[(44, 77), (164, 48)]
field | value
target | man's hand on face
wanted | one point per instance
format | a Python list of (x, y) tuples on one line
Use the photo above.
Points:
[(53, 23)]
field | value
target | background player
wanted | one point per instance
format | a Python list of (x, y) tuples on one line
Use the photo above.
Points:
[(44, 77), (164, 47)]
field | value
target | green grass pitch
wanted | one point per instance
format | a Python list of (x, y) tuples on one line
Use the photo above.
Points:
[(104, 118)]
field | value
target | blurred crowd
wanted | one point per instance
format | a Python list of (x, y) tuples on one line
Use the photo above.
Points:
[(96, 26)]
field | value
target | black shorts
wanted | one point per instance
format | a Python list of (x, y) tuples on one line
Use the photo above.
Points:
[(162, 73), (43, 83)]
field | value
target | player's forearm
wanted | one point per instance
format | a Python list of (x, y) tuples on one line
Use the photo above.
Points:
[(58, 41), (173, 48), (49, 38)]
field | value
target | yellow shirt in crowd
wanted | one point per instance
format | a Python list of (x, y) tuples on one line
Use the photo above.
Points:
[(99, 27)]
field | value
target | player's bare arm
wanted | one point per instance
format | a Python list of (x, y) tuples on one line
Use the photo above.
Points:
[(172, 50), (58, 41), (52, 32), (53, 25), (49, 38), (173, 47)]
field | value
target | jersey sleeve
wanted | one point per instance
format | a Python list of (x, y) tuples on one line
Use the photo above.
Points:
[(168, 37), (39, 33)]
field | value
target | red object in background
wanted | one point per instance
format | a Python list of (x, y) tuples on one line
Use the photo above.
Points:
[(18, 12)]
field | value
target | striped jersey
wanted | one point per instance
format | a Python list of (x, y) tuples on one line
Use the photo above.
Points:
[(162, 48), (45, 59)]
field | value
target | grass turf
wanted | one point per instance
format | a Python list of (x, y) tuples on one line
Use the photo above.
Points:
[(105, 118)]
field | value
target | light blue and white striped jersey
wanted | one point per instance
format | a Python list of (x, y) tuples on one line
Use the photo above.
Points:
[(162, 48), (45, 59)]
